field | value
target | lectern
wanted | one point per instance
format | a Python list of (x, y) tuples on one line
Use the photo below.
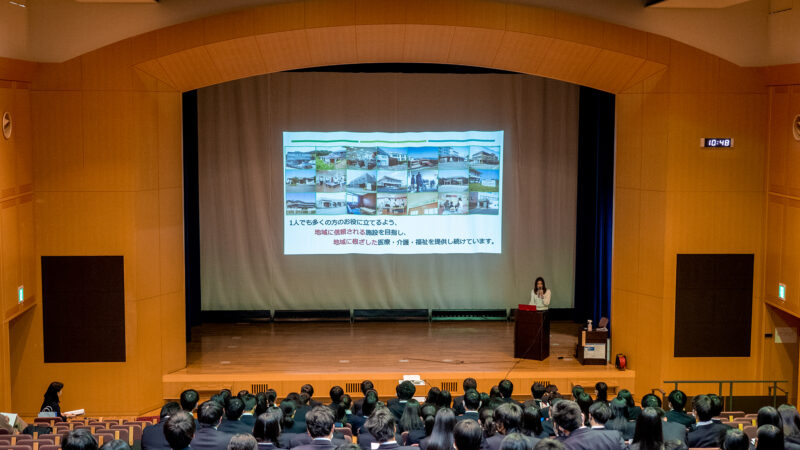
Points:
[(531, 334)]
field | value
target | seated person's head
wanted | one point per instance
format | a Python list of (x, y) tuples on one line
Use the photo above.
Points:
[(319, 422), (469, 383), (769, 416), (472, 400), (508, 418), (249, 402), (268, 426), (367, 386), (336, 394), (467, 434), (79, 440), (179, 430), (716, 404), (548, 444), (308, 389), (566, 415), (651, 401), (735, 439), (304, 398), (234, 409), (516, 441), (115, 444), (770, 437), (444, 400), (584, 401), (169, 409), (405, 390), (209, 413), (677, 400), (703, 408), (537, 390), (506, 388), (189, 399), (381, 425), (370, 403), (602, 391), (577, 390), (600, 413), (243, 442)]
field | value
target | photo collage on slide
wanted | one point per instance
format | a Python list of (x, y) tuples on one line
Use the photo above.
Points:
[(413, 181)]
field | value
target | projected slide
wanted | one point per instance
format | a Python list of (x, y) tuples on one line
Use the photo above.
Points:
[(392, 193)]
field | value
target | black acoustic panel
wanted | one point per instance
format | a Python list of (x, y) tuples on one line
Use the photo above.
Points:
[(83, 309), (713, 305)]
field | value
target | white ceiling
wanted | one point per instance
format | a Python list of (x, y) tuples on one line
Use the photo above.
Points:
[(746, 33)]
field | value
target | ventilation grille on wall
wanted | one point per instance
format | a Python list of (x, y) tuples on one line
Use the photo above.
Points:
[(352, 388), (451, 386), (543, 382), (258, 388)]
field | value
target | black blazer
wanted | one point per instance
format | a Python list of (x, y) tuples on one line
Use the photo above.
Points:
[(627, 429), (415, 436), (305, 439), (249, 419), (319, 444), (397, 408), (267, 446), (153, 438), (706, 436), (674, 431), (589, 439), (493, 443), (365, 439), (208, 438), (681, 417), (356, 422), (458, 405), (235, 427), (395, 446)]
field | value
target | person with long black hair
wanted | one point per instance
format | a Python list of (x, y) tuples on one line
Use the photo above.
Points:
[(52, 400), (267, 430), (411, 422), (619, 419), (540, 295), (648, 434), (769, 437), (441, 437)]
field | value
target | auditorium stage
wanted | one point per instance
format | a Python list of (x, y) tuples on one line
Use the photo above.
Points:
[(283, 356)]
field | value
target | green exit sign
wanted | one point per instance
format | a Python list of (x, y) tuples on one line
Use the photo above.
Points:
[(21, 294), (782, 291)]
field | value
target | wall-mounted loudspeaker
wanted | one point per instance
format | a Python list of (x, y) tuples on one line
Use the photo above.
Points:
[(7, 125)]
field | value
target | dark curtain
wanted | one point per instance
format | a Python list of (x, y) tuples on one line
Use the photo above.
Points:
[(191, 212), (595, 206)]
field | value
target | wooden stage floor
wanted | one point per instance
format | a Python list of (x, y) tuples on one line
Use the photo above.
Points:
[(284, 356)]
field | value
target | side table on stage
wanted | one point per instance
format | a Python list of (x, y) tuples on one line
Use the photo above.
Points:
[(531, 333)]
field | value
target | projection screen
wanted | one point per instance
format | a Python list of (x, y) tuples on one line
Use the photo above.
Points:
[(245, 262)]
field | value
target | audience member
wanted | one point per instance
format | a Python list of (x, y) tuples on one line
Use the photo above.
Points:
[(769, 437), (233, 413), (584, 401), (716, 406), (153, 436), (368, 404), (243, 441), (309, 389), (411, 422), (381, 426), (533, 425), (601, 392), (206, 436), (444, 400), (633, 410), (289, 425), (52, 400), (470, 402), (706, 433), (649, 434), (568, 424), (248, 416), (467, 435), (599, 414), (319, 423), (405, 391), (677, 402), (189, 399), (651, 401), (674, 433), (441, 437), (432, 398), (81, 439), (179, 430), (458, 402), (487, 422), (507, 420), (619, 419), (336, 394), (735, 439), (768, 415), (366, 386), (506, 388), (267, 430), (791, 423)]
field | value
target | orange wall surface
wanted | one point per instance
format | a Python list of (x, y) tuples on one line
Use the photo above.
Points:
[(107, 165)]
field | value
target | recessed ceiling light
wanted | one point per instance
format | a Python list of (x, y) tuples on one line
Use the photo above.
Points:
[(20, 3)]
